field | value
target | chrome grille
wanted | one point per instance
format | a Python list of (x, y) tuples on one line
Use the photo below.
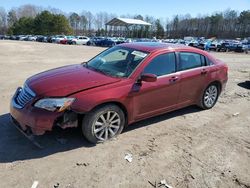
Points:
[(24, 96)]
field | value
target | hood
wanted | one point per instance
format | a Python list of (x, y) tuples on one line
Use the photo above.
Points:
[(66, 80)]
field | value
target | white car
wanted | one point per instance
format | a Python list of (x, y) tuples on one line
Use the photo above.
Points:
[(32, 38), (80, 40)]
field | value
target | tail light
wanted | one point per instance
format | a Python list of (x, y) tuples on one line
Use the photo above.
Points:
[(225, 68)]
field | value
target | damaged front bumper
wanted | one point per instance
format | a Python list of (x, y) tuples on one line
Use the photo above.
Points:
[(38, 120), (27, 133), (32, 121)]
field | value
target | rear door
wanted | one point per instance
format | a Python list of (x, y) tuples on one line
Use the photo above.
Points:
[(85, 40), (193, 76)]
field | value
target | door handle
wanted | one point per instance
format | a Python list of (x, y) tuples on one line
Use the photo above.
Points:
[(173, 79), (204, 71)]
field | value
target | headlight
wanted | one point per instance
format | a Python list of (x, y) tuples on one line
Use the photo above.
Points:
[(54, 104)]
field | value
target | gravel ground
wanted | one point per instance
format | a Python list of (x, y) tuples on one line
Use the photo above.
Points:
[(188, 148)]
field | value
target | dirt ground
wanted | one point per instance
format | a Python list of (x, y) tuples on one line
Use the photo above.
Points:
[(188, 148)]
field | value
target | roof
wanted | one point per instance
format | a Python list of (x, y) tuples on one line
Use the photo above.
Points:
[(152, 46), (126, 22)]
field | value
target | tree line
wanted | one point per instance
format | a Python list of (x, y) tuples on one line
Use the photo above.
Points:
[(30, 19)]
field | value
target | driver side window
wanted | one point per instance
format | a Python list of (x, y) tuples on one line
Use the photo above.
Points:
[(162, 65)]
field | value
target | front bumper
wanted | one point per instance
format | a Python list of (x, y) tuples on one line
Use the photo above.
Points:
[(27, 133), (37, 120)]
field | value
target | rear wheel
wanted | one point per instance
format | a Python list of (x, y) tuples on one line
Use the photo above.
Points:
[(103, 123), (210, 96)]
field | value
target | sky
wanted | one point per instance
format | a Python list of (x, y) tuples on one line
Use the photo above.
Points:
[(156, 8)]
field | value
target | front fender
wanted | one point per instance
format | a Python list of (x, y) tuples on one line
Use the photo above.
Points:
[(90, 99)]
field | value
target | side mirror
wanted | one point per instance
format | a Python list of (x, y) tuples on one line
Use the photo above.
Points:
[(148, 77)]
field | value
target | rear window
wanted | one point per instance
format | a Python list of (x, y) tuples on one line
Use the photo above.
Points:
[(189, 60), (208, 61)]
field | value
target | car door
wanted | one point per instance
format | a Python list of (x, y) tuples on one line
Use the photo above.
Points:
[(80, 40), (85, 40), (157, 97), (193, 76)]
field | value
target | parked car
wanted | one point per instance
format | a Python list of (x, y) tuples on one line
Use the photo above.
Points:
[(95, 40), (63, 41), (246, 47), (79, 40), (230, 46), (8, 37), (200, 45), (20, 37), (120, 40), (30, 38), (67, 40), (57, 39), (227, 46), (213, 46), (41, 38), (107, 42), (50, 39), (122, 85), (239, 47), (193, 44)]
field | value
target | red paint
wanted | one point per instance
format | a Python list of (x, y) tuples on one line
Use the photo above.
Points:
[(91, 89)]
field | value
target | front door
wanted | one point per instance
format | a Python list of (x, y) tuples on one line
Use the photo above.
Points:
[(157, 97)]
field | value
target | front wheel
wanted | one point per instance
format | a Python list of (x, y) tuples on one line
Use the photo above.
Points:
[(210, 96), (103, 123)]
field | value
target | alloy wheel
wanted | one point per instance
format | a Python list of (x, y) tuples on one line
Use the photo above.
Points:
[(210, 96), (106, 125)]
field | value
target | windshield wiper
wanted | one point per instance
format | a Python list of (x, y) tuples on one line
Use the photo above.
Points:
[(105, 72), (95, 69)]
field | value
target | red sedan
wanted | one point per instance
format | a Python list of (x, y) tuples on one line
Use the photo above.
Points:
[(121, 85)]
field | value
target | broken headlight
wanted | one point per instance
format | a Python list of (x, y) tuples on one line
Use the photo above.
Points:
[(54, 104)]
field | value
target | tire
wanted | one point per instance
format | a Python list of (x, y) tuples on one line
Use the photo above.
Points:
[(103, 123), (88, 43), (210, 97), (74, 42)]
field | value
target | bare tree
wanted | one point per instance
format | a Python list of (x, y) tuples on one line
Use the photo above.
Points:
[(28, 11), (11, 17), (90, 19), (227, 24), (83, 24), (74, 20), (3, 20)]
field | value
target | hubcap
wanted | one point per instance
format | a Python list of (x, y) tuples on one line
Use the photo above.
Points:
[(107, 125), (210, 96)]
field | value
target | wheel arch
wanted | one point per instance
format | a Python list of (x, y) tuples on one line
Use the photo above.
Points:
[(119, 104), (217, 83)]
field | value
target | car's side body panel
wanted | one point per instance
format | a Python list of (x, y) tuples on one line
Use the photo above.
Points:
[(139, 99)]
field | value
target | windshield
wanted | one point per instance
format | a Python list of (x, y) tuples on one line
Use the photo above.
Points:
[(117, 61)]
